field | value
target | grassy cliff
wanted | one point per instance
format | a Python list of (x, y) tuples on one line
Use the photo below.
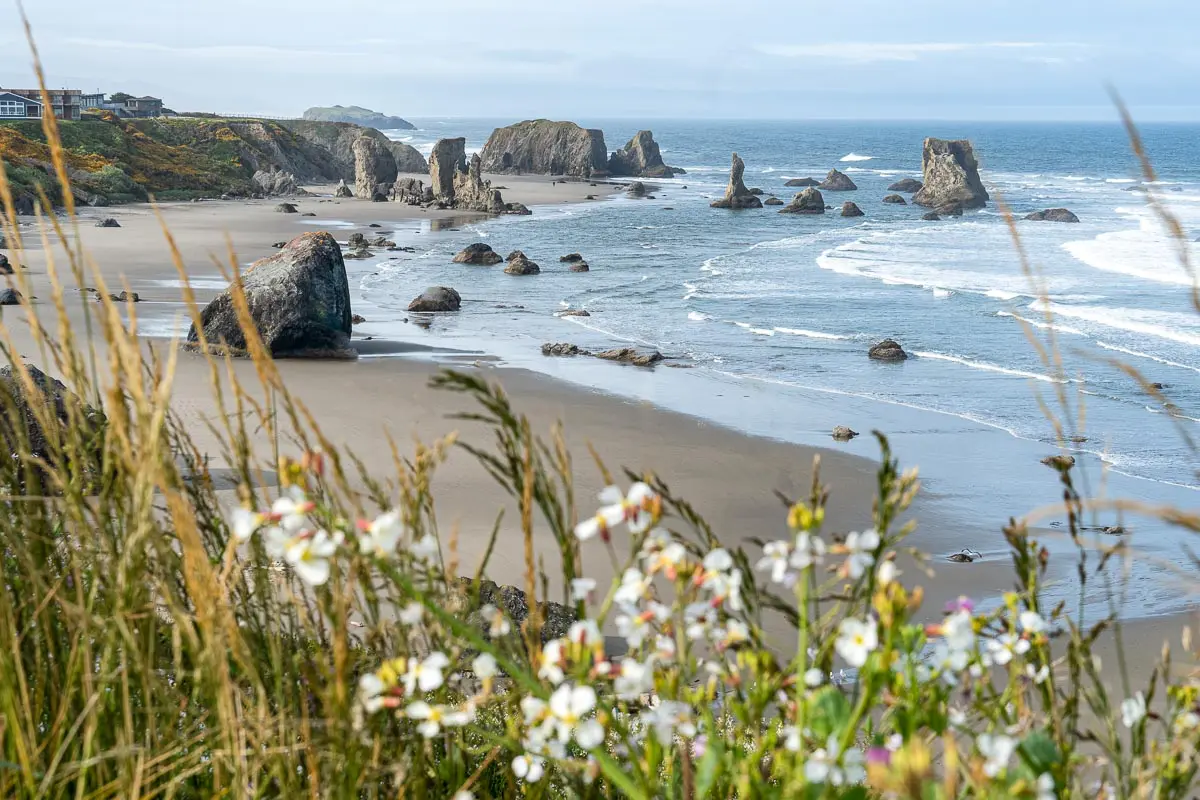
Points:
[(115, 160)]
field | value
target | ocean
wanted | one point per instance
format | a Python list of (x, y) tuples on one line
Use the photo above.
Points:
[(775, 313)]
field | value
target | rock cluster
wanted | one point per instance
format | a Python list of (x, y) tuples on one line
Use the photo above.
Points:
[(412, 191), (299, 301), (575, 262), (457, 185), (624, 355), (543, 147), (809, 201), (737, 196), (951, 176), (519, 264), (555, 618), (640, 158), (837, 181)]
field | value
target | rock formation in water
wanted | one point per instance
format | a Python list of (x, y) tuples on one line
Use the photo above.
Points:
[(837, 181), (457, 185), (436, 298), (737, 196), (887, 350), (802, 182), (1053, 215), (374, 168), (772, 201), (951, 175), (850, 209), (299, 300), (895, 198), (930, 216), (809, 201), (519, 264), (907, 185), (640, 158), (358, 116), (479, 254), (542, 147)]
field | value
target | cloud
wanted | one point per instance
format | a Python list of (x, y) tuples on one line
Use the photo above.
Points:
[(873, 52)]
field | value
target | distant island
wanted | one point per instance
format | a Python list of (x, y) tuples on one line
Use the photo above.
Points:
[(359, 116)]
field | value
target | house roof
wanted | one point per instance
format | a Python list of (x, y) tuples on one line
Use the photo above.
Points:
[(11, 96)]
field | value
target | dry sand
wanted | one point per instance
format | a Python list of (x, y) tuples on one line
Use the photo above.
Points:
[(730, 477)]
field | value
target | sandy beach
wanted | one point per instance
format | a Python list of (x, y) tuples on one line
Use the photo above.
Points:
[(730, 477)]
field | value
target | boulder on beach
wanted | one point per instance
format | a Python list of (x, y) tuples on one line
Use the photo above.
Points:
[(343, 190), (299, 301), (843, 434), (107, 222), (10, 297), (737, 196), (907, 185), (275, 182), (563, 349), (125, 297), (374, 168), (436, 298), (850, 209), (1060, 462), (543, 147), (639, 158), (412, 191), (951, 175), (473, 193), (286, 208), (887, 350), (1053, 215), (930, 216), (5, 266), (895, 198), (802, 182), (23, 433), (636, 189), (837, 181), (631, 355), (809, 201), (519, 264), (445, 160), (357, 319), (479, 254)]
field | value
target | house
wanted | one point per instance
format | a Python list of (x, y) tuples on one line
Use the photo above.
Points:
[(15, 106), (64, 102), (143, 107)]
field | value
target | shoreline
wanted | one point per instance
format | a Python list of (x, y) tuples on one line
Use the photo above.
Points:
[(573, 382)]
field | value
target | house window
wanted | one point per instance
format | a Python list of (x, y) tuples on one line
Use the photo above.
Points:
[(12, 108)]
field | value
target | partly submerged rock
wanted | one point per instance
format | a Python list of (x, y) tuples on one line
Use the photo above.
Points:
[(374, 168), (737, 196), (519, 264), (639, 158), (964, 556), (107, 222), (951, 175), (125, 297), (887, 350), (772, 201), (802, 182), (563, 349), (299, 302), (571, 258), (543, 147), (436, 298), (907, 185), (574, 262), (850, 209), (636, 189), (630, 355), (930, 216), (837, 181), (286, 208), (809, 201), (843, 434), (895, 198), (573, 312), (479, 254), (1053, 215), (950, 210)]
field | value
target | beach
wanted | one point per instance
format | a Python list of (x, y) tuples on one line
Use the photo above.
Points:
[(731, 477)]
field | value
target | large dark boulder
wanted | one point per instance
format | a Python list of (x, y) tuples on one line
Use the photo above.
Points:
[(930, 216), (907, 185), (630, 355), (737, 196), (374, 168), (519, 264), (542, 147), (436, 298), (639, 158), (10, 297), (809, 201), (479, 254), (30, 446), (107, 222), (5, 267), (772, 201), (887, 350), (1053, 215), (287, 208), (895, 198), (299, 301), (951, 175), (837, 181), (802, 182), (850, 209), (950, 210), (273, 182)]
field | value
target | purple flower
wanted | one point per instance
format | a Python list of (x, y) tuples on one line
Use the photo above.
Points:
[(963, 603), (879, 756)]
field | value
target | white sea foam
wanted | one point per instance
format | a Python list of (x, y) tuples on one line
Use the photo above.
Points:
[(1120, 180), (1170, 325), (986, 366), (810, 334), (1175, 414), (1139, 354), (214, 284), (942, 294), (1046, 326), (855, 157), (1000, 294), (698, 316), (752, 329), (1147, 252)]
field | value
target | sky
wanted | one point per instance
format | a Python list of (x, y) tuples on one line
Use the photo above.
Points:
[(652, 59)]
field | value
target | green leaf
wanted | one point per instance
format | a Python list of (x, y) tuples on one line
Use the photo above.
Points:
[(1039, 752), (829, 712)]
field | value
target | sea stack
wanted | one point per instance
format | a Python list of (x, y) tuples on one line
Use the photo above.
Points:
[(837, 181), (374, 168), (457, 185), (737, 196), (640, 158), (542, 147), (951, 175), (809, 201)]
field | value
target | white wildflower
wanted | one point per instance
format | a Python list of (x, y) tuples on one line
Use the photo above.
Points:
[(634, 679), (668, 718), (668, 560), (633, 589), (581, 588), (568, 706), (309, 557), (1032, 622), (585, 632), (958, 631), (412, 614), (699, 618), (371, 689), (425, 548), (775, 558), (380, 537), (997, 749), (498, 624), (886, 573), (484, 666), (813, 678), (809, 551), (433, 718), (1133, 710), (528, 768), (632, 509), (1002, 649), (551, 662), (290, 512), (426, 675), (244, 522), (856, 639), (1045, 787), (791, 738), (949, 662), (1038, 676), (823, 765), (635, 625), (860, 553), (463, 794)]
